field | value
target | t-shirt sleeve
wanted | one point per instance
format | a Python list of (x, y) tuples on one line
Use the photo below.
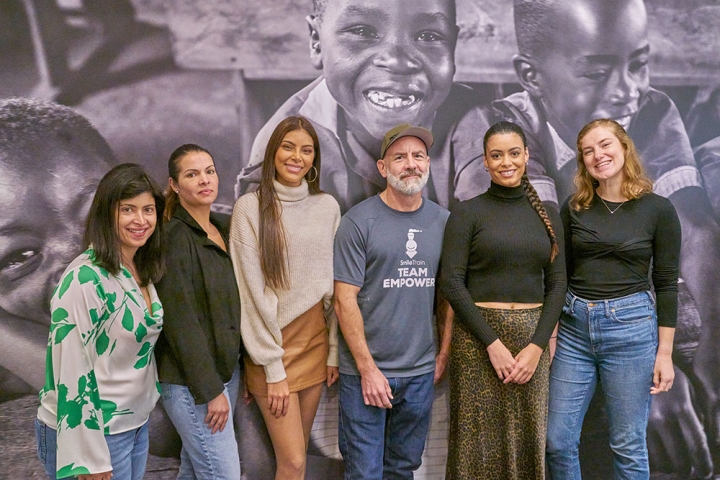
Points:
[(349, 253), (76, 307), (539, 177), (660, 136), (458, 236), (666, 255)]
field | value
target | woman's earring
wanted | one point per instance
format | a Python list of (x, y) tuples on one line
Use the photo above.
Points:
[(316, 174)]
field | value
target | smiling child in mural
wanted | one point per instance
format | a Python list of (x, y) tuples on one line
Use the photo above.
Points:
[(51, 160), (383, 63)]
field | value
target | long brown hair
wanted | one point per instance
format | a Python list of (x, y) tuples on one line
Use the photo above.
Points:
[(172, 200), (530, 192), (273, 243), (634, 185)]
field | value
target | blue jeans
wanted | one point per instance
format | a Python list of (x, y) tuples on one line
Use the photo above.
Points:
[(378, 443), (128, 451), (204, 455), (614, 341)]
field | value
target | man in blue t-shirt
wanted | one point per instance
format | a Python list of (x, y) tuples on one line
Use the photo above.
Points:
[(387, 252)]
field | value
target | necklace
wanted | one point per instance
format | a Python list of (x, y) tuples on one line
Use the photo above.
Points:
[(609, 209)]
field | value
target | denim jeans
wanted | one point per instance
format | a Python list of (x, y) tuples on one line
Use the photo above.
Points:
[(383, 444), (128, 451), (204, 455), (614, 341)]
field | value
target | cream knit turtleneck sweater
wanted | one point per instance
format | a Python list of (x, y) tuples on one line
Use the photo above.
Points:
[(309, 222)]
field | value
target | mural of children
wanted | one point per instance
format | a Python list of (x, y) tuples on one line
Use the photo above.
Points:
[(383, 63), (51, 160)]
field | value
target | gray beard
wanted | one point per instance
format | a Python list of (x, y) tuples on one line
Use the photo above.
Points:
[(409, 186)]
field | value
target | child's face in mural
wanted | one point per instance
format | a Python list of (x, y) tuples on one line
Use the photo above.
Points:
[(596, 65), (386, 62), (45, 199)]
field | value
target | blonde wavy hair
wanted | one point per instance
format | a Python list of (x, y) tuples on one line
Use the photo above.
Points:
[(634, 185)]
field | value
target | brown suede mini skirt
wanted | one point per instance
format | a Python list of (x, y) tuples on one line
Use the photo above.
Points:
[(305, 341)]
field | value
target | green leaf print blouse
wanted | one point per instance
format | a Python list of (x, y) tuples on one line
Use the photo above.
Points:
[(100, 375)]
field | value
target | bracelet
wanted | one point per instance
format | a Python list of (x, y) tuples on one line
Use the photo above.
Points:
[(553, 337)]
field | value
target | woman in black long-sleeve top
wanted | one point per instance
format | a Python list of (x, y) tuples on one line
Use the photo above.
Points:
[(503, 272), (198, 353), (612, 328)]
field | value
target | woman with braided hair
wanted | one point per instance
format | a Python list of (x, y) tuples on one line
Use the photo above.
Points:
[(503, 272)]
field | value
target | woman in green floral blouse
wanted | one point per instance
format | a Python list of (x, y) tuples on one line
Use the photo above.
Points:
[(100, 379)]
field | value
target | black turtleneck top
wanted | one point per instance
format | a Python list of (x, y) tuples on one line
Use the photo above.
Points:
[(496, 249)]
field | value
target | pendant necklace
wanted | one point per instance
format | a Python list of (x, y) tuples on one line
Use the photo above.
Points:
[(609, 209)]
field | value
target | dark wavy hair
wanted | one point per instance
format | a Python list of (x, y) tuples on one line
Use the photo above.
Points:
[(273, 243), (123, 182), (530, 192)]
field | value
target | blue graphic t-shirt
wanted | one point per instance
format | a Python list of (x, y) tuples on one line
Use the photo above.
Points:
[(393, 257)]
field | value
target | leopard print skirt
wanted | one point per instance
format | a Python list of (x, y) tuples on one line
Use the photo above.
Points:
[(497, 431)]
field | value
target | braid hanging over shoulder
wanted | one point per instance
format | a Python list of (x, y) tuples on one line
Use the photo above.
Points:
[(537, 204)]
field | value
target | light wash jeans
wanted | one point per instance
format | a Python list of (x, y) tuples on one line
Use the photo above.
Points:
[(614, 341), (128, 451), (384, 444), (204, 455)]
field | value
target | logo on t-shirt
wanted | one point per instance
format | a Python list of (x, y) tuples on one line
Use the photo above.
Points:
[(411, 244), (413, 272)]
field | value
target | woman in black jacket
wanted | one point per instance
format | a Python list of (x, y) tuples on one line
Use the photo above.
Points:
[(198, 353)]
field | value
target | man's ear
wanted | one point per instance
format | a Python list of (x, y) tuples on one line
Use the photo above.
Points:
[(527, 74), (314, 43), (381, 168)]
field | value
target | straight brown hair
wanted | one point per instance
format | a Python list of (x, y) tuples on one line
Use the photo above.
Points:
[(273, 243)]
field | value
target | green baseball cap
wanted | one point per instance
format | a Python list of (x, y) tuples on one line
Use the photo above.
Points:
[(406, 130)]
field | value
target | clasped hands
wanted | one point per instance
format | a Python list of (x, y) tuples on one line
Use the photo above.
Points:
[(518, 369)]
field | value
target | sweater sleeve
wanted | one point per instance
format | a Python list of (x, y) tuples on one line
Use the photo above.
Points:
[(555, 281), (330, 317), (665, 271), (458, 236), (81, 446), (182, 328), (259, 327)]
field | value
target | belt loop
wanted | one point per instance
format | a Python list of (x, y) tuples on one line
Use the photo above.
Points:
[(572, 302), (607, 307), (651, 298)]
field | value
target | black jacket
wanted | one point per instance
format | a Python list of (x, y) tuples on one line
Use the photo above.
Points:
[(200, 343)]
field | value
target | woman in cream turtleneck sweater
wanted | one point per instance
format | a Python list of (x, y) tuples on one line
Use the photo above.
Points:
[(281, 244)]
